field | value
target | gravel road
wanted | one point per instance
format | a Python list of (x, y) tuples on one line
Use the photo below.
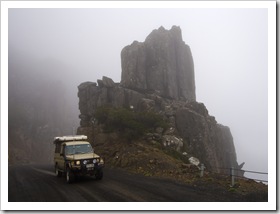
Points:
[(38, 183)]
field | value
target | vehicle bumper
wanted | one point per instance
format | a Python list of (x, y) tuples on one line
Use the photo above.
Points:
[(86, 169)]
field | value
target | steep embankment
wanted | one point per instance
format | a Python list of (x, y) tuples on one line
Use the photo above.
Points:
[(153, 160)]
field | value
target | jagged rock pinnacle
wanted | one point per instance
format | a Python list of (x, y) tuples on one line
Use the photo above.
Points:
[(163, 64)]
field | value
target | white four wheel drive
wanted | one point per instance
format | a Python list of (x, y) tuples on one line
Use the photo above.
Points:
[(74, 156)]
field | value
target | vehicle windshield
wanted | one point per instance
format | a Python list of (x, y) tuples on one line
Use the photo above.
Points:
[(78, 149)]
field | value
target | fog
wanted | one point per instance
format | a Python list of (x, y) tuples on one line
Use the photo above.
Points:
[(229, 47)]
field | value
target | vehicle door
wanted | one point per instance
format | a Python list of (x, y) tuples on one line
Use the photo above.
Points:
[(60, 157)]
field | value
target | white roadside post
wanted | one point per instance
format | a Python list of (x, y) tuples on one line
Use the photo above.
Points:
[(232, 176), (202, 167)]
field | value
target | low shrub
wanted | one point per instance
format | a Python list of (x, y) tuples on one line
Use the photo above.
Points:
[(129, 124)]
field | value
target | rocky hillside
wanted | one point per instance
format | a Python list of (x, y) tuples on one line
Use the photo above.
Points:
[(158, 77)]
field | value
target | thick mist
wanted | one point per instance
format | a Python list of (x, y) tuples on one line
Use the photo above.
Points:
[(41, 106), (52, 51)]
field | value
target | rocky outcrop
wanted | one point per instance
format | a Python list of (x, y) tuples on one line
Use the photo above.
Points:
[(92, 96), (158, 75), (162, 64), (211, 142)]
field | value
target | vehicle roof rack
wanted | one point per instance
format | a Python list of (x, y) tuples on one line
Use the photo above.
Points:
[(70, 138)]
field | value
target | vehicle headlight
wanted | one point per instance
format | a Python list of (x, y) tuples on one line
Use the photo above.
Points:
[(85, 162), (94, 161), (78, 162)]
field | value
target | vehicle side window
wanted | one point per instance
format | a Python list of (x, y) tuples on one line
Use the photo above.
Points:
[(62, 149)]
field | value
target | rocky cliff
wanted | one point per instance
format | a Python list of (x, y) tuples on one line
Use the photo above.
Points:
[(163, 64), (158, 76)]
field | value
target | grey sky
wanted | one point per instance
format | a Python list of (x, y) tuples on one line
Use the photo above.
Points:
[(229, 47)]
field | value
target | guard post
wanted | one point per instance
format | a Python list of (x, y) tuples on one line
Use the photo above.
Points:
[(202, 167), (232, 176)]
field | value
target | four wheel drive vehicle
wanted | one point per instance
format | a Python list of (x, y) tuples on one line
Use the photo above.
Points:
[(74, 156)]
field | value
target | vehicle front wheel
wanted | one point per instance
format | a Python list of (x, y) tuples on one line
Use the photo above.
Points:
[(99, 174), (69, 176)]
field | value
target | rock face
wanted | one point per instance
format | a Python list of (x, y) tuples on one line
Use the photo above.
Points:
[(163, 64), (158, 75), (204, 137)]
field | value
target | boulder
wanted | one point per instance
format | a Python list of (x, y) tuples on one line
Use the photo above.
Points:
[(108, 82), (172, 141), (194, 161), (146, 104), (100, 83)]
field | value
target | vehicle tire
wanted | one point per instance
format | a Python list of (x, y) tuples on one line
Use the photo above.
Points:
[(99, 174), (57, 172), (69, 176)]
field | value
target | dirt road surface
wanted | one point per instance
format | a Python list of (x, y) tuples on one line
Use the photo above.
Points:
[(38, 183)]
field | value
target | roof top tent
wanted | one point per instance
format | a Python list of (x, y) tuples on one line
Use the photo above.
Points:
[(70, 138)]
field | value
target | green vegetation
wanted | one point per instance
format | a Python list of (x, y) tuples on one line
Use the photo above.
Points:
[(177, 155), (130, 124), (232, 189)]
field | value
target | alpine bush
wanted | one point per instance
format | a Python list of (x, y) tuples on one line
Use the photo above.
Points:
[(128, 123)]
